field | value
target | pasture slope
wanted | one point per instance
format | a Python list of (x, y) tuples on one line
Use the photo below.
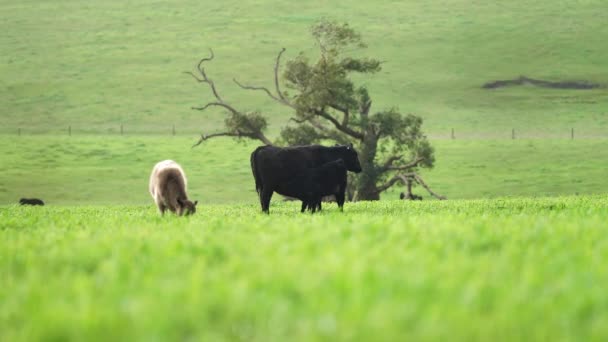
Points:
[(98, 65), (466, 270)]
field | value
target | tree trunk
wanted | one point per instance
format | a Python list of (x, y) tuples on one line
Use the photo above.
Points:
[(366, 185), (409, 189)]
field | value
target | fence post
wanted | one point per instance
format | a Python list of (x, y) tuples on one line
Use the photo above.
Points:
[(453, 134), (70, 130), (513, 133), (121, 129), (572, 133), (173, 131)]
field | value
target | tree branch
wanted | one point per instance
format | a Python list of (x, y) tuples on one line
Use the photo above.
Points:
[(339, 126), (257, 88), (255, 132), (421, 182), (279, 97), (405, 166), (237, 134), (326, 131), (388, 184), (345, 113), (403, 177), (218, 104), (276, 76), (365, 107), (389, 162), (206, 79)]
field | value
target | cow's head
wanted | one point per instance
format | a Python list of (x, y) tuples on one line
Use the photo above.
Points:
[(350, 157), (186, 207)]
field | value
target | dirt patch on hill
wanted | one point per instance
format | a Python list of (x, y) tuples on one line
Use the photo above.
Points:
[(522, 80)]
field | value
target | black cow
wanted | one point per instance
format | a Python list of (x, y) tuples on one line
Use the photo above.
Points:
[(312, 184), (275, 167), (31, 201)]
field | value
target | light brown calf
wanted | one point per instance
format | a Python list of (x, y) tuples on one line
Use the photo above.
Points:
[(168, 188)]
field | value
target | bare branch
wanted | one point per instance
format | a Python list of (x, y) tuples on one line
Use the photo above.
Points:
[(299, 121), (403, 177), (200, 63), (237, 134), (194, 76), (421, 182), (276, 77), (254, 132), (204, 78), (257, 88), (279, 97), (218, 104)]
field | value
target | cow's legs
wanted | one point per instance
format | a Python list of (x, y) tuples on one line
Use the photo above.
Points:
[(265, 197), (304, 205), (340, 199)]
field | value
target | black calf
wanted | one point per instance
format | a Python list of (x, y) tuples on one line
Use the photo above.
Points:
[(312, 184), (31, 201), (412, 197)]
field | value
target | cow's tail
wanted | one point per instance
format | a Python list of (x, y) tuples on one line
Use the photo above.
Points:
[(254, 170)]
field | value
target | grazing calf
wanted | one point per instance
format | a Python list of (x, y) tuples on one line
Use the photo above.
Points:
[(310, 185), (168, 188), (31, 201)]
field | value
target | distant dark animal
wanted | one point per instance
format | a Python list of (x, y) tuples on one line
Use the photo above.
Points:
[(31, 201), (312, 184), (274, 168), (168, 189), (412, 197)]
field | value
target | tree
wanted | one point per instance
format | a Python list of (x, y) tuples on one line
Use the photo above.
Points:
[(327, 106)]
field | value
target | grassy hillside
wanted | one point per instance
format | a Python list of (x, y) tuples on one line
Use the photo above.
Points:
[(98, 65), (115, 169), (498, 270)]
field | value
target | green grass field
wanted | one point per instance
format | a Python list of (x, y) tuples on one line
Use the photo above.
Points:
[(81, 170), (517, 252), (505, 269)]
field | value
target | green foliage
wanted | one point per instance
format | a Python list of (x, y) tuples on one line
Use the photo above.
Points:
[(502, 269), (248, 122), (362, 65), (333, 37), (405, 136), (301, 135), (326, 83)]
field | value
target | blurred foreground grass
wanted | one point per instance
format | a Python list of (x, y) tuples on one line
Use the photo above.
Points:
[(503, 269)]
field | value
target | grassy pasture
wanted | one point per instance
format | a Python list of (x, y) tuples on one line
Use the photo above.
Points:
[(95, 169), (503, 269), (98, 263), (96, 66)]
